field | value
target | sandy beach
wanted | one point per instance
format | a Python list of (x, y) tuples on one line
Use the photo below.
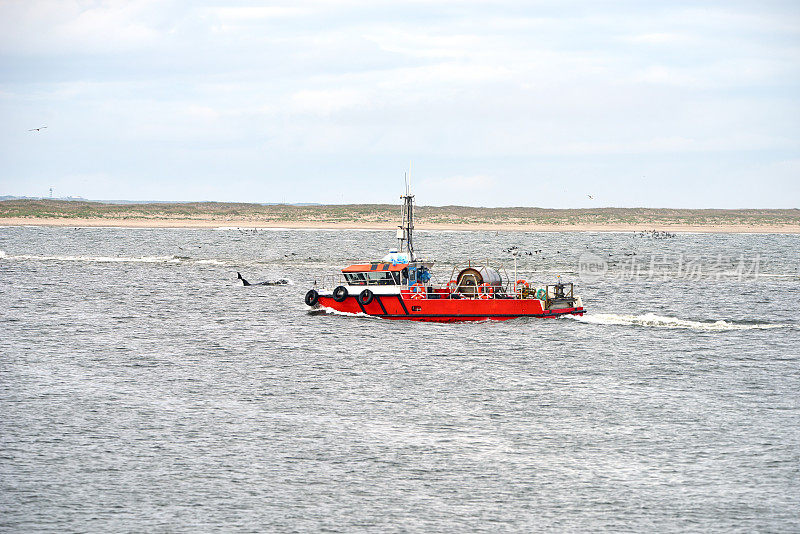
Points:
[(245, 223)]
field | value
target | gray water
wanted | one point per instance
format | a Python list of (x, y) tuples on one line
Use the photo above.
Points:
[(144, 389)]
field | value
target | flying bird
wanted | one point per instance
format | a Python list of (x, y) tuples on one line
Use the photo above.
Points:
[(590, 196), (39, 129)]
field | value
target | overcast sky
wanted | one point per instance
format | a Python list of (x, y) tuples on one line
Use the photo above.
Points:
[(496, 103)]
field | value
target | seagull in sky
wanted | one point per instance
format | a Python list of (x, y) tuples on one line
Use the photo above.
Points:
[(39, 129), (590, 196)]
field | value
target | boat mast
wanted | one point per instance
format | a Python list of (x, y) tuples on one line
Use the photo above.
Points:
[(405, 234)]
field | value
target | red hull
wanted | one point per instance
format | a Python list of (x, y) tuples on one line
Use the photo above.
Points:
[(445, 310)]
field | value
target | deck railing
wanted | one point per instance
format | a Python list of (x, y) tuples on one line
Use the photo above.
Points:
[(506, 290)]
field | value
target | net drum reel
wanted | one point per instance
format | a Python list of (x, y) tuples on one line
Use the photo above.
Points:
[(470, 280)]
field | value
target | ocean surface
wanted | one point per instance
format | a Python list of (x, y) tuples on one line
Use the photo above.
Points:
[(144, 389)]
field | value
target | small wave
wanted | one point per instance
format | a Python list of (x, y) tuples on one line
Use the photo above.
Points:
[(117, 259), (98, 259), (660, 321), (778, 275)]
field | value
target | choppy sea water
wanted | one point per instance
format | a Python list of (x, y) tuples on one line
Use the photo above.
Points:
[(143, 388)]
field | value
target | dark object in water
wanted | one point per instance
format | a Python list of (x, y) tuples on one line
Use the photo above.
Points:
[(279, 282)]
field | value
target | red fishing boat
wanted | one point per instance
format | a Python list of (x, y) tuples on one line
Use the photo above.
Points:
[(399, 286)]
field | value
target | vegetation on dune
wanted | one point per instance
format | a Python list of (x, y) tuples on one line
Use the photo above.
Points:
[(389, 214)]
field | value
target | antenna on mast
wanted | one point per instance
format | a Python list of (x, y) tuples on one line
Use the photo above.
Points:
[(405, 232)]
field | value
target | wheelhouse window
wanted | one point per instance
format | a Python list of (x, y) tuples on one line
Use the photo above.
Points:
[(381, 278), (372, 278), (355, 279)]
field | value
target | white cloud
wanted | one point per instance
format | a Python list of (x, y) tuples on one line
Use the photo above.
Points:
[(427, 45), (664, 75), (325, 102), (659, 38), (722, 73), (85, 27), (239, 13), (286, 83)]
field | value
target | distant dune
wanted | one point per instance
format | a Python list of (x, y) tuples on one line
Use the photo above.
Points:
[(210, 214)]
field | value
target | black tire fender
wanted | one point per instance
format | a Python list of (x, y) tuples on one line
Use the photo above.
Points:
[(366, 297), (312, 297), (340, 294)]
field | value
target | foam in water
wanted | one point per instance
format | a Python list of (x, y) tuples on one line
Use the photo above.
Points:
[(331, 311), (660, 321)]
